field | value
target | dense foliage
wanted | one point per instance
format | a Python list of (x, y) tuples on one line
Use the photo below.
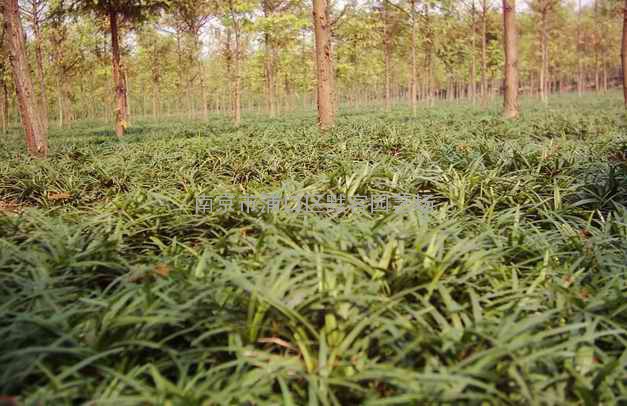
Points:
[(513, 291)]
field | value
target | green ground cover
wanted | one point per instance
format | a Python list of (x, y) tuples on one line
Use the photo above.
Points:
[(512, 291)]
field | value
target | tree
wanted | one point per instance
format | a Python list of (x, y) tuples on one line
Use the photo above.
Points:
[(414, 70), (234, 13), (4, 74), (35, 13), (279, 25), (117, 11), (624, 53), (510, 102), (544, 9), (324, 65), (387, 51), (154, 52), (188, 19), (485, 7), (36, 133)]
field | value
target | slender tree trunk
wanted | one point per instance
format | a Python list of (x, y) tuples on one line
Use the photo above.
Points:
[(578, 52), (155, 101), (484, 46), (228, 96), (324, 65), (414, 69), (127, 104), (39, 60), (510, 102), (36, 133), (237, 88), (179, 69), (624, 53), (386, 55), (68, 113), (156, 85), (269, 64), (270, 82), (429, 59), (118, 81), (597, 48), (472, 90), (544, 57), (205, 100), (305, 75), (60, 101), (605, 78), (4, 107)]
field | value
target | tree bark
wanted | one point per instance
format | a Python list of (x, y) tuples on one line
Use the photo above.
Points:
[(414, 74), (269, 64), (473, 66), (579, 56), (205, 99), (156, 92), (624, 53), (127, 104), (544, 51), (386, 55), (36, 133), (67, 103), (484, 46), (4, 111), (237, 97), (324, 65), (510, 102), (118, 81), (270, 82), (39, 59), (429, 58)]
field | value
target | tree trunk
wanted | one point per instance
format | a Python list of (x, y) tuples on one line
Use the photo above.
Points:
[(473, 66), (156, 100), (36, 133), (324, 65), (624, 53), (229, 72), (127, 104), (484, 66), (205, 100), (156, 85), (4, 104), (269, 71), (578, 53), (510, 102), (597, 48), (39, 59), (269, 64), (386, 55), (67, 102), (414, 74), (60, 101), (118, 80), (237, 98), (605, 78), (429, 59), (544, 55)]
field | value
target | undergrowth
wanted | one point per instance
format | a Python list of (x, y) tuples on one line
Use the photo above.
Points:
[(512, 291)]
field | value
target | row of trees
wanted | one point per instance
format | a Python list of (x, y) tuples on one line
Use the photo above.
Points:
[(191, 57)]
